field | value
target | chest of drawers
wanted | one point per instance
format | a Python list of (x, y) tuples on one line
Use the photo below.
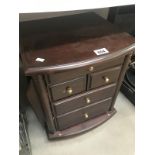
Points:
[(71, 88)]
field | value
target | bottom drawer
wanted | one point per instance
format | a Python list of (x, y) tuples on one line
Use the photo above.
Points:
[(83, 114)]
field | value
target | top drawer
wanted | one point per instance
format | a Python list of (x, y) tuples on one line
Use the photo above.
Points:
[(66, 75), (68, 88), (105, 77)]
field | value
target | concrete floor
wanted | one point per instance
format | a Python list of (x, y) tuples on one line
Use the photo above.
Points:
[(115, 137)]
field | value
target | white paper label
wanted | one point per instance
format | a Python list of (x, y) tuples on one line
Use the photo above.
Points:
[(101, 51), (40, 59)]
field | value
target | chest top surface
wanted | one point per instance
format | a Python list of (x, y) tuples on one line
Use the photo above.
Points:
[(69, 42)]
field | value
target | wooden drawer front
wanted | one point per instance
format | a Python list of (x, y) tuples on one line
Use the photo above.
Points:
[(83, 114), (68, 88), (105, 77), (66, 75), (84, 99)]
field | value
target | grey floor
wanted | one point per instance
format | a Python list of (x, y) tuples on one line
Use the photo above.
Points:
[(115, 137)]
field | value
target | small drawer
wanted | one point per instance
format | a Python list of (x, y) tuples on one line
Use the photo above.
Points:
[(78, 116), (68, 88), (104, 77), (84, 99)]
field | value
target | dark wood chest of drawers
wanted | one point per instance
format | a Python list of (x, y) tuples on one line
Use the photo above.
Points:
[(72, 88)]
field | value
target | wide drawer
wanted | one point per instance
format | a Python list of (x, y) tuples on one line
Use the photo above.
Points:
[(84, 99), (68, 88), (83, 114), (66, 75), (105, 77)]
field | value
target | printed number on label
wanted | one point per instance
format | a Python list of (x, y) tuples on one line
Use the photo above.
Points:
[(101, 51)]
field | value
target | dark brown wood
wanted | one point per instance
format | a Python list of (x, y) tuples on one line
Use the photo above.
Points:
[(82, 127), (76, 54), (124, 67), (60, 76), (75, 88), (80, 100), (80, 115), (60, 91), (39, 83), (98, 79)]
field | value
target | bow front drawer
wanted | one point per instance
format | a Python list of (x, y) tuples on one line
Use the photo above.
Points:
[(83, 114), (84, 99)]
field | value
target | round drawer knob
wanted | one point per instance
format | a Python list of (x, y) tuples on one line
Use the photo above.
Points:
[(88, 100), (106, 79), (86, 115), (91, 68), (69, 90)]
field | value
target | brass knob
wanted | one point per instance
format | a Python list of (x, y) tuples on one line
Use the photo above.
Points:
[(91, 68), (87, 100), (106, 79), (69, 90), (86, 115)]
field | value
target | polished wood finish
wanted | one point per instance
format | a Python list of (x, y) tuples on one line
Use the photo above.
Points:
[(82, 114), (53, 62), (121, 77), (60, 76), (105, 77), (82, 127), (43, 96), (84, 99), (68, 88), (72, 89)]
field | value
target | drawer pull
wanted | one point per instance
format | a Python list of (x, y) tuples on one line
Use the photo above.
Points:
[(88, 100), (69, 90), (106, 79), (86, 115), (91, 68)]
